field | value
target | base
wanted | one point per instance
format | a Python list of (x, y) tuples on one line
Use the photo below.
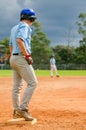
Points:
[(21, 121)]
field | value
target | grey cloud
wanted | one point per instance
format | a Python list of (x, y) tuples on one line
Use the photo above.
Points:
[(55, 16)]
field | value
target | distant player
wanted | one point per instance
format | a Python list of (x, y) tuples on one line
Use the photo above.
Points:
[(53, 67)]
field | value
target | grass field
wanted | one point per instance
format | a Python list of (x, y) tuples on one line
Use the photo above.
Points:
[(47, 72)]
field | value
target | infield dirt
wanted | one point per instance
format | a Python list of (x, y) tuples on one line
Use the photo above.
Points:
[(58, 104)]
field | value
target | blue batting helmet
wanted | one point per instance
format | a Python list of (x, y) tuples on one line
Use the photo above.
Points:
[(28, 14)]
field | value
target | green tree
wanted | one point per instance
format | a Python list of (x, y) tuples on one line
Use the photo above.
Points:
[(4, 45), (81, 54), (81, 57), (4, 51), (41, 49), (82, 27), (64, 54)]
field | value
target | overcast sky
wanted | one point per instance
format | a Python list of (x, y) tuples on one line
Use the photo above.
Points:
[(58, 18)]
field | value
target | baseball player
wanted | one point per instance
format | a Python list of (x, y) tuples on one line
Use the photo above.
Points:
[(21, 63), (53, 67)]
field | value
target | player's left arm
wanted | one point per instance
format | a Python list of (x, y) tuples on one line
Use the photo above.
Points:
[(11, 48), (10, 45)]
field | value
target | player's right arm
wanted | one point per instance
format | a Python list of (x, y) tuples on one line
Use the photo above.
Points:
[(24, 51), (21, 36), (22, 46)]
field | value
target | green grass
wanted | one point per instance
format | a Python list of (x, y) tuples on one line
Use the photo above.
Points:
[(73, 72), (6, 73), (62, 72), (47, 72)]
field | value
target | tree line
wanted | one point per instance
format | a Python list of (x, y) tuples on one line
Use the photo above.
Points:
[(42, 51)]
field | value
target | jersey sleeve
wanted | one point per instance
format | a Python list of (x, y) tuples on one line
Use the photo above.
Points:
[(22, 32)]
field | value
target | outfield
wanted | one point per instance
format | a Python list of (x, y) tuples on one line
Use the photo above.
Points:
[(47, 72)]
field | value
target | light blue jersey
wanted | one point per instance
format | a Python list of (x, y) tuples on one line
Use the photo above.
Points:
[(23, 31), (52, 61)]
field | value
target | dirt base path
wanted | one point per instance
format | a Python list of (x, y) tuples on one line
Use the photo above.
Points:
[(58, 104)]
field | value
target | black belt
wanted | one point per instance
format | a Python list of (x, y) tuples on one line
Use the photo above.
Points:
[(15, 53)]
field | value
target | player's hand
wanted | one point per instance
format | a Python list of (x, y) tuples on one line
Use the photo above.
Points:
[(29, 59)]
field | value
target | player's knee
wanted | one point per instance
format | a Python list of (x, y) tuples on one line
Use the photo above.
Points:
[(35, 83)]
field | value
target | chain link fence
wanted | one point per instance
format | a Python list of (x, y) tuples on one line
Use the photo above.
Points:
[(47, 66)]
